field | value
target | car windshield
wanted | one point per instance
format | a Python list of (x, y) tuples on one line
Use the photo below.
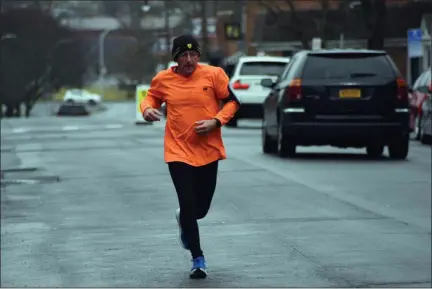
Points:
[(347, 66), (428, 78), (263, 68), (76, 91)]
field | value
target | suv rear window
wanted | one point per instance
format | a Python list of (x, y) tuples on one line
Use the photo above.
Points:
[(337, 66), (262, 68)]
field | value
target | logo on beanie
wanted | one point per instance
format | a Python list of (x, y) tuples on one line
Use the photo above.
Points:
[(189, 46)]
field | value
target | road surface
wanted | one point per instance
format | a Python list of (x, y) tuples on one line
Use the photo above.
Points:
[(90, 204)]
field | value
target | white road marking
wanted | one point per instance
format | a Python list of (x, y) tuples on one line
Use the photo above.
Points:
[(113, 126), (20, 130), (70, 128)]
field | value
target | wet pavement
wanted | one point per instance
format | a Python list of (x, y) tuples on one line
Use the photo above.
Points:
[(88, 202)]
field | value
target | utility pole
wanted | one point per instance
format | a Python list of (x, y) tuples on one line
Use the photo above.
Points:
[(102, 65), (240, 15), (430, 58), (167, 30), (1, 58), (204, 32)]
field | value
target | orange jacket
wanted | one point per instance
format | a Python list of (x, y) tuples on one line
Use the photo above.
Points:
[(188, 100)]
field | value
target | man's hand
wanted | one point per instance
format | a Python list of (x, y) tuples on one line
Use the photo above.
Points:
[(152, 114), (204, 126)]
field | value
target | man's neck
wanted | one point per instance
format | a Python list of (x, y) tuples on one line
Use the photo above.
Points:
[(181, 72)]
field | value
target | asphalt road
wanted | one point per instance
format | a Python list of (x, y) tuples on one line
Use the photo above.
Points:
[(92, 205)]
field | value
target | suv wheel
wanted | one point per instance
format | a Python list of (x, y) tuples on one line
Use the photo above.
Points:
[(398, 148), (415, 134), (285, 146), (375, 151), (424, 139), (269, 146)]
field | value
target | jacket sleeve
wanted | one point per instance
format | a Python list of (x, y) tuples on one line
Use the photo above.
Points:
[(224, 93), (154, 98)]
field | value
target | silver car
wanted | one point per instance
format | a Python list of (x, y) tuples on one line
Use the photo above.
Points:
[(426, 131)]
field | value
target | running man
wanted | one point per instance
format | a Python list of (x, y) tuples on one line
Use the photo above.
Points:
[(193, 142)]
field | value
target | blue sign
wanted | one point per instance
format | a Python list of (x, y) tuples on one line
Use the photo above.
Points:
[(415, 43)]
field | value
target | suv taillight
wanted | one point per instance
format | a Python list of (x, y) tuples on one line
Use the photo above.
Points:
[(402, 89), (239, 85), (293, 90)]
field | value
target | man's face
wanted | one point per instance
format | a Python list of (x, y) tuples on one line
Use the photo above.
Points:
[(187, 61)]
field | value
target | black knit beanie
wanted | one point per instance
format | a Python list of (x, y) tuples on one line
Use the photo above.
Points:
[(184, 43)]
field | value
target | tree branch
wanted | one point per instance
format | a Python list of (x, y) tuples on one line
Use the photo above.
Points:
[(292, 7), (274, 11), (322, 28), (374, 13)]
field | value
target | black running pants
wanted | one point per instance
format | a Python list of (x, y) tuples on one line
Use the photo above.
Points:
[(195, 188)]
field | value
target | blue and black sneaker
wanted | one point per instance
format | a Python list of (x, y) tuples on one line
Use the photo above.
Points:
[(181, 235), (199, 269)]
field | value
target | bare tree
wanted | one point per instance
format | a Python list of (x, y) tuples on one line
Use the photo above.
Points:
[(24, 61), (137, 60), (275, 15), (322, 23), (204, 33), (374, 12)]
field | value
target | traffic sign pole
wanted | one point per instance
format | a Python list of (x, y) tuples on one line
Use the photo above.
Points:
[(415, 50), (415, 43)]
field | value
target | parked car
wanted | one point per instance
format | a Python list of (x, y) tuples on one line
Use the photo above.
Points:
[(72, 109), (341, 98), (426, 116), (246, 83), (418, 95), (81, 96)]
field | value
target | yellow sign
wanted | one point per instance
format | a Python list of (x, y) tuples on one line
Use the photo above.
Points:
[(189, 46), (232, 31), (141, 95)]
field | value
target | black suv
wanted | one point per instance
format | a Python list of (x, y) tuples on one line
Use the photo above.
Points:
[(342, 98)]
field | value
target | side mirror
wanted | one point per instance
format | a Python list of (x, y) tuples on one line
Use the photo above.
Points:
[(267, 82)]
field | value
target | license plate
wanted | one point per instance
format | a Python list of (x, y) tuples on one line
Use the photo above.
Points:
[(349, 93)]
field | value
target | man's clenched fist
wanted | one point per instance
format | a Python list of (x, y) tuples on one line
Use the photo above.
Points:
[(152, 114), (205, 126)]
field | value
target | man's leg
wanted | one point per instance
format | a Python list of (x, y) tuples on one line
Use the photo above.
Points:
[(205, 188), (184, 178)]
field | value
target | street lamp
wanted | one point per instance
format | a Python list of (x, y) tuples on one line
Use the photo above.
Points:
[(8, 36), (146, 7), (354, 4), (102, 66)]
